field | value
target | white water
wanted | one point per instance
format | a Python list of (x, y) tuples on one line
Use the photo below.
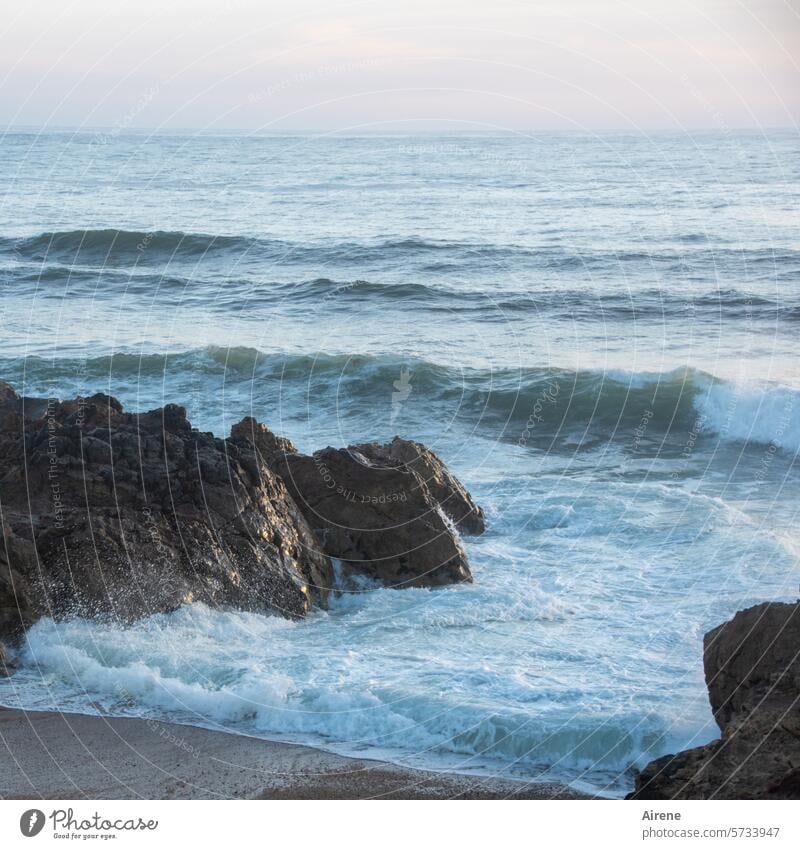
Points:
[(574, 656)]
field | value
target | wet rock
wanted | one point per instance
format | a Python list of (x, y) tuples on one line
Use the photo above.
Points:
[(752, 670), (445, 488), (373, 511), (122, 515)]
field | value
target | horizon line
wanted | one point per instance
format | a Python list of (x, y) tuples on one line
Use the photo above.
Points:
[(120, 131)]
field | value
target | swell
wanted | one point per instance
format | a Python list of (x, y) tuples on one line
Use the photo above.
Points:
[(580, 304), (116, 247), (529, 403), (111, 246)]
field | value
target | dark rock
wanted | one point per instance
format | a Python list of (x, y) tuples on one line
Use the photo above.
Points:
[(752, 658), (373, 511), (123, 515), (118, 514), (271, 447), (752, 669), (17, 607), (7, 666), (451, 495)]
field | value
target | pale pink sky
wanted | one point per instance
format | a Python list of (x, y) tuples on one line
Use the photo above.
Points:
[(404, 64)]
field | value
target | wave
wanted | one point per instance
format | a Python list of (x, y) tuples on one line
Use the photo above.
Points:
[(111, 246), (527, 404), (116, 247), (237, 670), (585, 304), (593, 304)]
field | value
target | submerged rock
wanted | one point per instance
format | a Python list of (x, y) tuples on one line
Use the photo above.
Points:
[(373, 510), (752, 669), (120, 514)]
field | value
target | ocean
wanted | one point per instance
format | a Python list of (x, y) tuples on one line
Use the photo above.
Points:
[(596, 332)]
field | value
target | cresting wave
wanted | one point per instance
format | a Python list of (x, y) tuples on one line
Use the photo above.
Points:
[(528, 404)]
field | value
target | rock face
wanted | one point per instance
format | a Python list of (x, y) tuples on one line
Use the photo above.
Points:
[(752, 669), (454, 500), (111, 513), (123, 515), (373, 510)]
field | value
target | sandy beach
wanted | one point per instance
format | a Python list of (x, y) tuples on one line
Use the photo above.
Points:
[(70, 756)]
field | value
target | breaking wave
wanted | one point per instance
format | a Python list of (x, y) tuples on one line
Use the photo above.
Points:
[(264, 675), (539, 402)]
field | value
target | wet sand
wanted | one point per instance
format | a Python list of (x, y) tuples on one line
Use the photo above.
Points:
[(45, 755)]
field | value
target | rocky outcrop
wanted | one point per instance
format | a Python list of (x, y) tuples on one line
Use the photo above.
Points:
[(119, 514), (752, 669), (373, 510)]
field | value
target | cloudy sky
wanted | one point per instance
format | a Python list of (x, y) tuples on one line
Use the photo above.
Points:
[(401, 64)]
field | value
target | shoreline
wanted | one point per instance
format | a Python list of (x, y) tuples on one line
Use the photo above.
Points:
[(51, 755)]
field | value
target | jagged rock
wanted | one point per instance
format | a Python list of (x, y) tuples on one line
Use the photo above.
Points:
[(453, 498), (120, 514), (271, 447), (375, 513), (752, 669)]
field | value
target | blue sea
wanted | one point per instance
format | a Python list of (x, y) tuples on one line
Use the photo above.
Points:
[(597, 332)]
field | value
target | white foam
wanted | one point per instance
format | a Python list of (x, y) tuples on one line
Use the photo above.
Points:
[(260, 675), (768, 415)]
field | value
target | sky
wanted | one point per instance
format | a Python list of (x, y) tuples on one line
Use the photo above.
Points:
[(401, 64)]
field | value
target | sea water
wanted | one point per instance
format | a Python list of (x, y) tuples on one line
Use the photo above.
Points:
[(597, 333)]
